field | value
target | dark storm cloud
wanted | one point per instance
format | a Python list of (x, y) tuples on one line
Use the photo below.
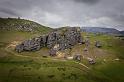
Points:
[(87, 1), (8, 12), (57, 13)]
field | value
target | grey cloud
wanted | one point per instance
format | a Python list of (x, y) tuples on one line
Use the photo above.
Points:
[(87, 1), (8, 11), (57, 13)]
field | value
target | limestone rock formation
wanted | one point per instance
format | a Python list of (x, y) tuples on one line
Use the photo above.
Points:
[(59, 39)]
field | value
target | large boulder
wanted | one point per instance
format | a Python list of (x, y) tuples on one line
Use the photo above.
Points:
[(66, 38), (19, 48), (77, 57), (51, 40), (98, 44), (53, 52), (31, 44), (91, 61)]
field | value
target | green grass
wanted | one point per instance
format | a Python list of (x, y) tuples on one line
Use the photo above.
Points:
[(10, 36), (32, 67), (110, 43), (19, 68)]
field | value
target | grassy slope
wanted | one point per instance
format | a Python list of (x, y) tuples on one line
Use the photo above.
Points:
[(21, 25), (113, 70), (26, 67)]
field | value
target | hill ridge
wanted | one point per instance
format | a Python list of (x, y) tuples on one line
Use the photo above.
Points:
[(18, 24), (101, 30)]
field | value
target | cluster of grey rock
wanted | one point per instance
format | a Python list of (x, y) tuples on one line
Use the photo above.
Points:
[(32, 44), (65, 38)]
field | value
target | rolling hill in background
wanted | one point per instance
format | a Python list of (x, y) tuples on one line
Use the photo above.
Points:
[(102, 30), (122, 32)]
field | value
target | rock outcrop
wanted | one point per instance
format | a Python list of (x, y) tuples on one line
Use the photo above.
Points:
[(32, 44), (56, 40)]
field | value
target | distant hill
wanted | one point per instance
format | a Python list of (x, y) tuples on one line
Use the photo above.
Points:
[(21, 25), (122, 32), (101, 30)]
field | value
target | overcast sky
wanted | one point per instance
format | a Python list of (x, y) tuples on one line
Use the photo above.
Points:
[(57, 13)]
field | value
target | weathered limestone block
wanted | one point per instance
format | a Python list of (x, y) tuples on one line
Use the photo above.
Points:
[(19, 48), (52, 52), (31, 45), (77, 57), (98, 44), (51, 40)]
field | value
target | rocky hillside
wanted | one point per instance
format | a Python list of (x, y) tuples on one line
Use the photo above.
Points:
[(21, 25)]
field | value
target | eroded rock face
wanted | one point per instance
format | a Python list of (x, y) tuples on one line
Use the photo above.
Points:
[(65, 38)]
